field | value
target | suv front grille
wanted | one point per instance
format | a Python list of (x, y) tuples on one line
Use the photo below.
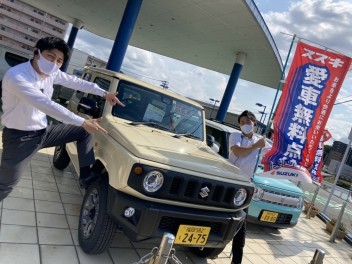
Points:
[(191, 189), (279, 198)]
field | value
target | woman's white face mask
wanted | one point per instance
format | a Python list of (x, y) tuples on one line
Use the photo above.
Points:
[(46, 66), (247, 129)]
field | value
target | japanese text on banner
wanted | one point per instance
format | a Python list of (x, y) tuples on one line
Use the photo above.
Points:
[(309, 93)]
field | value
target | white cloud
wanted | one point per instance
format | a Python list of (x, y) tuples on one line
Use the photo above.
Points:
[(339, 130), (325, 22)]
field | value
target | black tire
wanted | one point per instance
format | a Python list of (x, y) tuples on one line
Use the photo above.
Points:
[(206, 252), (61, 158), (96, 229)]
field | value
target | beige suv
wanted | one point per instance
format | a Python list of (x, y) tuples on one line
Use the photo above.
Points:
[(157, 172)]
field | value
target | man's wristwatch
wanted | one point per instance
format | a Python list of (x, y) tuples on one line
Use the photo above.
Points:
[(105, 94)]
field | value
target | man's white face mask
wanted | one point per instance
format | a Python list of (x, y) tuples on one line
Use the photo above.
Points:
[(45, 65), (247, 129)]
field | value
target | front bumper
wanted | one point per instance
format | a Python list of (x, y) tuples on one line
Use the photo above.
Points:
[(151, 220), (287, 216)]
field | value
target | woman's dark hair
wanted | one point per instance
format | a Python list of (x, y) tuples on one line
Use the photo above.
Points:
[(50, 43)]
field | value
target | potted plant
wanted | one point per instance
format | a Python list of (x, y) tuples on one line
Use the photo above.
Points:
[(341, 232), (314, 210)]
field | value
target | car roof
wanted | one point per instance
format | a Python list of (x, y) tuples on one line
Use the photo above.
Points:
[(125, 77), (221, 126), (227, 128)]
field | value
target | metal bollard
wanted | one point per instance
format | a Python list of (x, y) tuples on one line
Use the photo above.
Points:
[(165, 247), (318, 257), (312, 202), (338, 221)]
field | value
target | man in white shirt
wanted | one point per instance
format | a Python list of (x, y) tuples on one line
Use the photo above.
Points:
[(26, 95), (244, 150)]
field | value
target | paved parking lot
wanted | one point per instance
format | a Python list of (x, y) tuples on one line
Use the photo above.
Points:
[(39, 225)]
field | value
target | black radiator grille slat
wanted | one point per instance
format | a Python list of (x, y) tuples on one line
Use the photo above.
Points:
[(218, 193), (190, 189), (175, 186), (229, 194)]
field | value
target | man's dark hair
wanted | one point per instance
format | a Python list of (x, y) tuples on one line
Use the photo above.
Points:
[(50, 43), (248, 114)]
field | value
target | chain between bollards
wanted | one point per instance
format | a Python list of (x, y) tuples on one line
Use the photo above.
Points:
[(165, 249), (163, 254)]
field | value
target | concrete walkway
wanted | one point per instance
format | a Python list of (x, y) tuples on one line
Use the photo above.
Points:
[(38, 224)]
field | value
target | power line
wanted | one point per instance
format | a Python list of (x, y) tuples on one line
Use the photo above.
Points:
[(343, 98), (164, 84), (343, 102), (124, 70)]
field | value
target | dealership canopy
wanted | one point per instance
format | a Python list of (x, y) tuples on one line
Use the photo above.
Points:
[(208, 34)]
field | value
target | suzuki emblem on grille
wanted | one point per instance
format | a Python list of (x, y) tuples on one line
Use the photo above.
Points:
[(204, 192)]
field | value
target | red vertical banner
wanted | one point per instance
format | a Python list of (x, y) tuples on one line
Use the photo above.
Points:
[(310, 90), (315, 170)]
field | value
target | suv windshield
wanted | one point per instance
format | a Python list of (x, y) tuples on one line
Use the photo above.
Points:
[(149, 107)]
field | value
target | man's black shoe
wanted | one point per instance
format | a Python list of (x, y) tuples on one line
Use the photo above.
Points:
[(86, 181)]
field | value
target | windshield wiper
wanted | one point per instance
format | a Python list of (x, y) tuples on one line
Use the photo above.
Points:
[(190, 135), (148, 123)]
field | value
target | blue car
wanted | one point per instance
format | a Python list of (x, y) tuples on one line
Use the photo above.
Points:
[(276, 203)]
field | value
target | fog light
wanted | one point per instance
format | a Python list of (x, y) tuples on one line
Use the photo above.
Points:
[(129, 212), (258, 194), (153, 181), (240, 197)]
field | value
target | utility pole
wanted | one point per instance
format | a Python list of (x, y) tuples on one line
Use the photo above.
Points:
[(215, 101)]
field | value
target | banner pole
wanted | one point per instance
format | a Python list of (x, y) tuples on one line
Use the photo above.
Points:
[(282, 80), (277, 92)]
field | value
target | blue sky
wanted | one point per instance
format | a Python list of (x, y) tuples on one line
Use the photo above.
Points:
[(326, 22)]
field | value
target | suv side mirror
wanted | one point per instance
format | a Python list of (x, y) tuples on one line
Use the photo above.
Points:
[(210, 140), (211, 144), (88, 106)]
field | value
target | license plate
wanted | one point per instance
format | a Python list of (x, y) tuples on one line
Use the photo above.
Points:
[(269, 217), (192, 235)]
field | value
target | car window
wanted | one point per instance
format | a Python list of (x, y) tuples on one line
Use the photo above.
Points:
[(147, 105), (14, 59), (104, 84), (221, 139)]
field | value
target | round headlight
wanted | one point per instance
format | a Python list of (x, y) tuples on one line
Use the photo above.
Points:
[(258, 194), (153, 181), (240, 197), (300, 202)]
